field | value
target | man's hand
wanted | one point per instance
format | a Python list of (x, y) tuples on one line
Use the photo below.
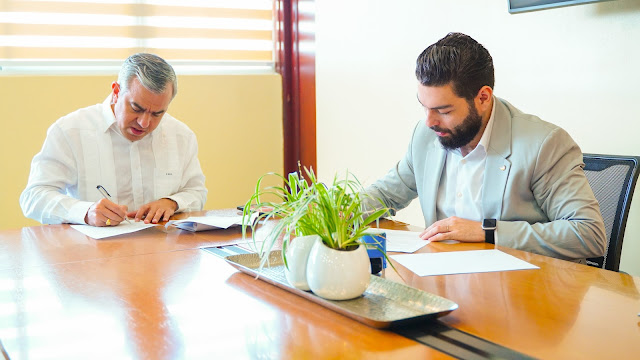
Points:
[(454, 228), (153, 212), (105, 213)]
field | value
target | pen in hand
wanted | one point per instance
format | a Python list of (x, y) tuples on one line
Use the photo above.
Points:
[(106, 195)]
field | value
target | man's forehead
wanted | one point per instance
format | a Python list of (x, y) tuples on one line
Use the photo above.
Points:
[(434, 97), (148, 100)]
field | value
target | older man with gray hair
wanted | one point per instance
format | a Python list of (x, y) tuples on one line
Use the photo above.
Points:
[(126, 157)]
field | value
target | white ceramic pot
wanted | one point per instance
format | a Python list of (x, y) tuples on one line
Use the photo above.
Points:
[(297, 255), (336, 274)]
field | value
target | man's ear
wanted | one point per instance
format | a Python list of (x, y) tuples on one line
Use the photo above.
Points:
[(483, 99), (115, 91)]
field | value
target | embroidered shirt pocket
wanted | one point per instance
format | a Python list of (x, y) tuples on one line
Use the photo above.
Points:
[(167, 182)]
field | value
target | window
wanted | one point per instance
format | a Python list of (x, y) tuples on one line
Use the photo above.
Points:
[(94, 36)]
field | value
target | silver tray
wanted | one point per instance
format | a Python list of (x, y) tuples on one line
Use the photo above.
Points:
[(384, 304)]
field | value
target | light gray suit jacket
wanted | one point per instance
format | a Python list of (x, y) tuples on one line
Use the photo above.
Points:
[(534, 185)]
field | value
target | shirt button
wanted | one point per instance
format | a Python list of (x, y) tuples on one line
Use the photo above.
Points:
[(463, 161), (459, 194)]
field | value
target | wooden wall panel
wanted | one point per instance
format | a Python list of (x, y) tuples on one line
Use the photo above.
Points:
[(295, 51)]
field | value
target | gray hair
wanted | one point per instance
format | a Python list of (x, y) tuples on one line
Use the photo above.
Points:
[(153, 72)]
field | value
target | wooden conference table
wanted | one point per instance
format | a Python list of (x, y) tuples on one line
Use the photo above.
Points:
[(155, 295)]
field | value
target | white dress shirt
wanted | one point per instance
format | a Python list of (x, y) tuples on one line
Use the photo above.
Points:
[(460, 189), (86, 148)]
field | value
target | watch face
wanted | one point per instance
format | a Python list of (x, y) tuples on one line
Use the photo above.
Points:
[(489, 223)]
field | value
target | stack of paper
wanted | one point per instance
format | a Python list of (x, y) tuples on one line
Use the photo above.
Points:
[(210, 222), (109, 231)]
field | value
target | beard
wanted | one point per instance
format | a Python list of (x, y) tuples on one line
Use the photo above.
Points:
[(462, 134)]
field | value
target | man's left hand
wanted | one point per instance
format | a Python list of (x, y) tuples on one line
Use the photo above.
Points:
[(153, 212), (454, 228)]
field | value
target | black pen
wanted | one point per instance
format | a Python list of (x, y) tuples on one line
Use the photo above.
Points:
[(106, 195)]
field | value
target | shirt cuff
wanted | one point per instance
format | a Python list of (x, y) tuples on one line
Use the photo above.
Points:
[(78, 211)]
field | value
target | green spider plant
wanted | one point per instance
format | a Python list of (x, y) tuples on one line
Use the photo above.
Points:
[(305, 206)]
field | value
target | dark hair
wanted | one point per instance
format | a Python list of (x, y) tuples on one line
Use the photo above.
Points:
[(456, 59)]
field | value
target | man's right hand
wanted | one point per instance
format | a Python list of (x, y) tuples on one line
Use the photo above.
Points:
[(105, 213)]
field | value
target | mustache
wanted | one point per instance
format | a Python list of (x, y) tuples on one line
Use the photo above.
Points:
[(440, 130)]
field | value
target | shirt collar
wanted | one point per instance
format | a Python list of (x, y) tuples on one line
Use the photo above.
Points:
[(107, 115), (486, 136)]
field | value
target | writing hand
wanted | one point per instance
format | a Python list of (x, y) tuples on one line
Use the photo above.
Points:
[(454, 228), (105, 213), (155, 211)]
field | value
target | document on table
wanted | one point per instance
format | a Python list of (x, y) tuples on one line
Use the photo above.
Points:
[(404, 241), (210, 222), (109, 231), (461, 262)]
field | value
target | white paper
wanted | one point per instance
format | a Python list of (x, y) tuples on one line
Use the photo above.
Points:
[(404, 241), (461, 262), (108, 231), (210, 222)]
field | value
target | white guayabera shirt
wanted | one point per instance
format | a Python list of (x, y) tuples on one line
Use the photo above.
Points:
[(86, 148)]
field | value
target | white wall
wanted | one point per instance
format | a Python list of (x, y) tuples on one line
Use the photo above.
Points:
[(577, 67)]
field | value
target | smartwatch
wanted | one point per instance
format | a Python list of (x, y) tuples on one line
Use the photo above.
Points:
[(489, 227)]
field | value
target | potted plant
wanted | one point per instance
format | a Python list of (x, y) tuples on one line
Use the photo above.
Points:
[(321, 229)]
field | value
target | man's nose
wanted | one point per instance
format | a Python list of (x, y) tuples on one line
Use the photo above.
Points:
[(433, 118), (144, 120)]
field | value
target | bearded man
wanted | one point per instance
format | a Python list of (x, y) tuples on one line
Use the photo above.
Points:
[(485, 171)]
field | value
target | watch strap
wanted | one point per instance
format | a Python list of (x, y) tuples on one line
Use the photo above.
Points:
[(489, 236)]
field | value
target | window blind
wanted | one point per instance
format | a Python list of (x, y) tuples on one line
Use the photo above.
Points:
[(97, 35)]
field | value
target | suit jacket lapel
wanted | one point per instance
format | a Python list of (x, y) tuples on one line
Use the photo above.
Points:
[(432, 173), (497, 166)]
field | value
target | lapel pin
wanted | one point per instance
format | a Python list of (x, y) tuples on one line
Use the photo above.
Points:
[(503, 168)]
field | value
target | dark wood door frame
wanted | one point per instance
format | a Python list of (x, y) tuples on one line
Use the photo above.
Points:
[(295, 61)]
